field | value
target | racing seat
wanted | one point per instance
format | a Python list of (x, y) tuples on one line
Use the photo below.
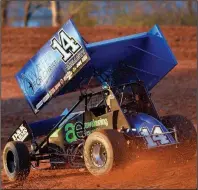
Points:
[(97, 111)]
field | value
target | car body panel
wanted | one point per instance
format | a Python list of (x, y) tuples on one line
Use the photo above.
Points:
[(53, 66), (146, 126)]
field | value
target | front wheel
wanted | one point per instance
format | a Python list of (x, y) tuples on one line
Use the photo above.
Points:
[(104, 149), (16, 160)]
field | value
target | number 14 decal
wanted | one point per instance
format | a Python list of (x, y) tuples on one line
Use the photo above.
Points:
[(152, 139)]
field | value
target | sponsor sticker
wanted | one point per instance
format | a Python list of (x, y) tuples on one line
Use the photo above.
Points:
[(22, 133), (53, 66)]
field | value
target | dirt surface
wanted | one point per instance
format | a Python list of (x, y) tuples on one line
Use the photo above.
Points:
[(175, 94)]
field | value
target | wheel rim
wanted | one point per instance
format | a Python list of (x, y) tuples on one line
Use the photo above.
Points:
[(98, 155), (11, 165)]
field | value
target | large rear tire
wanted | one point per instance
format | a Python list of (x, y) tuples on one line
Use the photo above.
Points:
[(16, 160), (186, 134), (185, 129), (103, 150)]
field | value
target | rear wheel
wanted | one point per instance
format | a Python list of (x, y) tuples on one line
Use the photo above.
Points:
[(185, 130), (103, 150), (16, 160)]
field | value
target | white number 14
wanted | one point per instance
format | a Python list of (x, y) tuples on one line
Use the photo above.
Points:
[(152, 139)]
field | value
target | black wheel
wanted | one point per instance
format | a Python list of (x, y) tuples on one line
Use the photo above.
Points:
[(185, 129), (186, 134), (16, 160), (103, 150)]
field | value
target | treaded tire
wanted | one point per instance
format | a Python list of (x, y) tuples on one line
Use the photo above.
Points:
[(114, 144), (185, 129), (16, 160)]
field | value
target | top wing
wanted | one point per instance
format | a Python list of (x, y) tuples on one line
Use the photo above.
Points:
[(67, 62), (145, 56), (53, 66)]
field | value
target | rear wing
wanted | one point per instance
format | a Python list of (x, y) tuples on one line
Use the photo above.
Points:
[(53, 66), (145, 56), (67, 62)]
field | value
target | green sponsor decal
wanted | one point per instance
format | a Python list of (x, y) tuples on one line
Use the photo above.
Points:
[(75, 131), (93, 124), (96, 123), (70, 135)]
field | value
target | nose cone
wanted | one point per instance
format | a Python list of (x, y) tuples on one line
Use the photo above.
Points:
[(142, 122)]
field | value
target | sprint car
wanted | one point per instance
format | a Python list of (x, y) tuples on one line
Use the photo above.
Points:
[(116, 117)]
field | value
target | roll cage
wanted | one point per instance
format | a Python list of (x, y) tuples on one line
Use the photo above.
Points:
[(140, 101)]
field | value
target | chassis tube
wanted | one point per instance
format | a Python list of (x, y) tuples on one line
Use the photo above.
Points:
[(59, 123)]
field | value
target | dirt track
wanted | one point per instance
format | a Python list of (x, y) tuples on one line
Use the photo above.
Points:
[(175, 94)]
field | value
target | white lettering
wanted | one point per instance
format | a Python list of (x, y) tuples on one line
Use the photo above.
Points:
[(66, 45)]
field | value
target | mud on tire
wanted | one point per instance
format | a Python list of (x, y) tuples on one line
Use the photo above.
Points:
[(16, 160), (186, 134), (185, 129), (103, 150)]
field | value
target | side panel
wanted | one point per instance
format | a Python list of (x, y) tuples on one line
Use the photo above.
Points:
[(22, 133), (81, 126), (53, 66), (153, 131), (70, 131)]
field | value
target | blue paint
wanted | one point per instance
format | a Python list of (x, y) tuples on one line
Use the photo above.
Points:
[(145, 56), (43, 71), (65, 112), (43, 127), (143, 120)]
